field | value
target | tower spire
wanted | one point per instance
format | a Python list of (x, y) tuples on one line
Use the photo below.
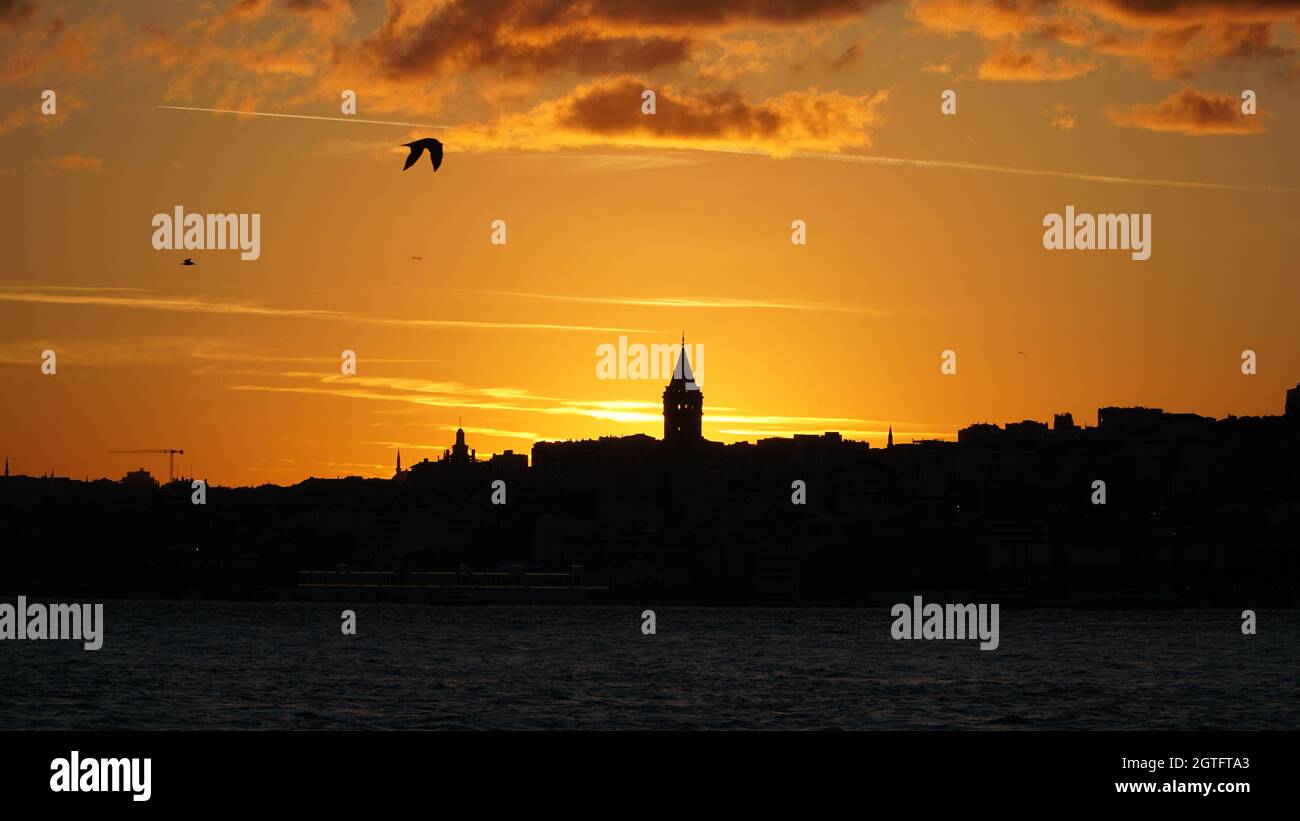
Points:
[(399, 460), (890, 442), (683, 403)]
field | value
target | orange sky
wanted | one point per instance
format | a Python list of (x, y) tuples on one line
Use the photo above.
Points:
[(621, 223)]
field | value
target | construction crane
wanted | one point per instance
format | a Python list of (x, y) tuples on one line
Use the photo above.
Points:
[(171, 454)]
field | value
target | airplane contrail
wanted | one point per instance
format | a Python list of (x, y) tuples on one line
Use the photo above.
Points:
[(861, 159), (305, 117), (201, 305), (902, 162)]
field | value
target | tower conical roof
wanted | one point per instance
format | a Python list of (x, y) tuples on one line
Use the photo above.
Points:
[(683, 377)]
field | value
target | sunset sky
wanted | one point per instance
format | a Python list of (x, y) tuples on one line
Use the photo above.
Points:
[(924, 230)]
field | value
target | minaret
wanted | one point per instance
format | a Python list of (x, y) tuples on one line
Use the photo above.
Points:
[(399, 460), (890, 442), (683, 404)]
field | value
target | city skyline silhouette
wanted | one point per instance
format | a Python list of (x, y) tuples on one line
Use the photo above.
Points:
[(1129, 513), (683, 414)]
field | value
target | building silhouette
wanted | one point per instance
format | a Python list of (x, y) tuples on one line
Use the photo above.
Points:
[(139, 479), (683, 405), (460, 453)]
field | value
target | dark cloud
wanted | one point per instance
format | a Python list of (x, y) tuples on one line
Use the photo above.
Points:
[(432, 52), (318, 6), (1203, 9), (16, 12), (718, 12), (1193, 112), (1249, 41), (605, 36), (608, 112), (615, 109), (1174, 38), (1035, 65)]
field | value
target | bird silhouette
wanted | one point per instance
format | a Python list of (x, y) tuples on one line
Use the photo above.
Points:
[(417, 150), (417, 257), (189, 261)]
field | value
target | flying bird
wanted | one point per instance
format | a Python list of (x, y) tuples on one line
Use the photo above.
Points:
[(189, 261), (417, 257), (417, 150)]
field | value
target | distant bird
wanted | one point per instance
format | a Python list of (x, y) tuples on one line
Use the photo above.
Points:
[(417, 257), (1022, 353), (189, 261), (417, 150)]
